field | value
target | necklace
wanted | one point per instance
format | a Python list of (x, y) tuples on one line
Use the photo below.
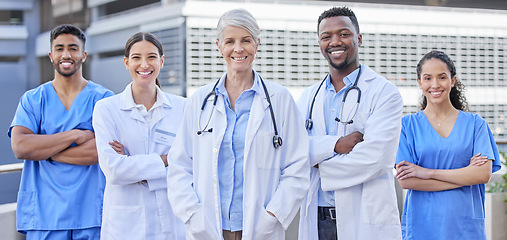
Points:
[(443, 121)]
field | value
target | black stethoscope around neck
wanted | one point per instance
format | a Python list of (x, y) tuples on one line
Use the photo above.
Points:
[(309, 121), (277, 140)]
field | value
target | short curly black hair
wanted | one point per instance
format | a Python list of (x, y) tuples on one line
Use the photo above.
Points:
[(336, 12)]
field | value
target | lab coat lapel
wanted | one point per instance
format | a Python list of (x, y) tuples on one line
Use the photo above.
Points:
[(319, 125), (257, 114)]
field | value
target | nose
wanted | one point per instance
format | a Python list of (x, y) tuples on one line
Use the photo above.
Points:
[(434, 83), (144, 63), (238, 47), (335, 40), (66, 54)]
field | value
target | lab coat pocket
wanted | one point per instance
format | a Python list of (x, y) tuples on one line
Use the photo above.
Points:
[(268, 227), (197, 229), (378, 201), (262, 146), (124, 222)]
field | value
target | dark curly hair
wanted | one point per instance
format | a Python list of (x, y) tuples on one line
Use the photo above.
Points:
[(336, 12), (457, 95)]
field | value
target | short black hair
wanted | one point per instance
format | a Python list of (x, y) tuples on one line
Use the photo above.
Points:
[(67, 29), (336, 12)]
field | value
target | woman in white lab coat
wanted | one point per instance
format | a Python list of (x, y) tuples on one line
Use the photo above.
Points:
[(231, 176), (134, 131)]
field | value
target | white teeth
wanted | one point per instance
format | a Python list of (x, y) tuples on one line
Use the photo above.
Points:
[(337, 52), (66, 64), (144, 73), (239, 59), (436, 93)]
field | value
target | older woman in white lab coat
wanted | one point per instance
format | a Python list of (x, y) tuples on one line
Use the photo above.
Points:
[(134, 132), (231, 130)]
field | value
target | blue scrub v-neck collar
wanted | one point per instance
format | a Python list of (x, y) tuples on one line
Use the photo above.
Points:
[(52, 87)]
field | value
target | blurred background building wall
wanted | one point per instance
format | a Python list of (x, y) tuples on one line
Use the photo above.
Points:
[(396, 34)]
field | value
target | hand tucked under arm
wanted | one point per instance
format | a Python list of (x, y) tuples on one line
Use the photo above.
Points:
[(345, 144)]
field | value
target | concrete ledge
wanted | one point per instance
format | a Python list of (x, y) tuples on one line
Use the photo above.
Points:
[(8, 222)]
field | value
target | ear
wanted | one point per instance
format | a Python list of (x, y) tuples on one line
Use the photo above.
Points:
[(85, 54), (162, 61), (453, 81), (218, 46), (126, 61), (360, 40), (50, 56), (419, 82)]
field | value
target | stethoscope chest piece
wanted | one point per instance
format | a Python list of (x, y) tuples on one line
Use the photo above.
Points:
[(277, 141)]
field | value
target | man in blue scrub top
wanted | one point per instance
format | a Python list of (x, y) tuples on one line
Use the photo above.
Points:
[(61, 190)]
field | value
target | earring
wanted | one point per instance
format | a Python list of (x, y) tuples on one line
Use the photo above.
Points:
[(221, 59)]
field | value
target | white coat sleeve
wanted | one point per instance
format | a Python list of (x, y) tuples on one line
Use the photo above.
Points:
[(322, 146), (181, 193), (376, 154), (123, 169), (295, 168)]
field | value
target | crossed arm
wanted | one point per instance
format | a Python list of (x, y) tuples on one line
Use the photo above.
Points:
[(36, 147), (412, 176)]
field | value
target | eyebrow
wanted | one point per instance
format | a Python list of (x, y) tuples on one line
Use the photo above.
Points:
[(151, 53), (70, 45), (339, 30)]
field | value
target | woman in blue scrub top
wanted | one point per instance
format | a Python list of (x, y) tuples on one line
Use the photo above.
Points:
[(134, 132), (445, 157)]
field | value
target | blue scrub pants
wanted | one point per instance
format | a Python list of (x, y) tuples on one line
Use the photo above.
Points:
[(77, 234)]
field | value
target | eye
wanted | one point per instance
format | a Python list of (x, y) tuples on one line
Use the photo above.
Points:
[(325, 37), (345, 35)]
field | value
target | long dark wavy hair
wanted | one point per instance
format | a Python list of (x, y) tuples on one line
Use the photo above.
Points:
[(457, 94)]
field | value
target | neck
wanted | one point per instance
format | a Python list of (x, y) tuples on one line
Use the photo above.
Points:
[(440, 111), (67, 85), (145, 95), (337, 75), (239, 81)]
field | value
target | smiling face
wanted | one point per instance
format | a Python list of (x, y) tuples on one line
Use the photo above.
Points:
[(144, 62), (238, 48), (339, 42), (67, 54), (435, 81)]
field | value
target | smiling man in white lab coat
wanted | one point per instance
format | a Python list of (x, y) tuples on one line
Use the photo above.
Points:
[(353, 119)]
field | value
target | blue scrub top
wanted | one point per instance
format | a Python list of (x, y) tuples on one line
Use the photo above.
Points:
[(53, 195), (451, 214)]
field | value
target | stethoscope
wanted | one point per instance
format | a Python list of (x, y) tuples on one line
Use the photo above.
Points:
[(277, 140), (309, 121)]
